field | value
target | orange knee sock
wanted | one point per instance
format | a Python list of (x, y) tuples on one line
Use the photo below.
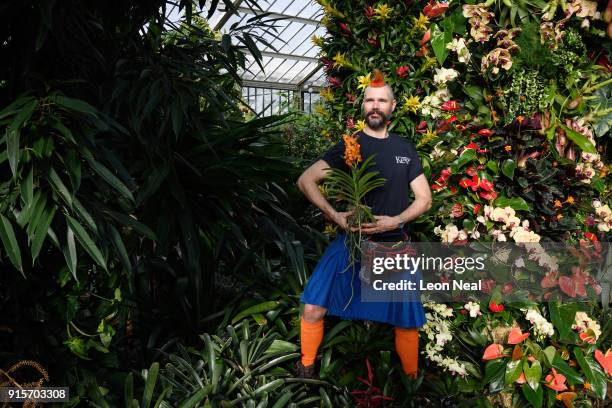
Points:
[(311, 335), (407, 346)]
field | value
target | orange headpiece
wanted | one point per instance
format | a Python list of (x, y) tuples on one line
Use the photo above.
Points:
[(378, 80)]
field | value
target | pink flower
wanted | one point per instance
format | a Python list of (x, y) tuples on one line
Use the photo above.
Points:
[(451, 106), (425, 38), (555, 381), (516, 336), (605, 360), (493, 352), (457, 210)]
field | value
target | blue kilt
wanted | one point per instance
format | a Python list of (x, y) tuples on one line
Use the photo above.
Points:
[(338, 288)]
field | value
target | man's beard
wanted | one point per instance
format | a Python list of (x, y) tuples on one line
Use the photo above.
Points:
[(377, 123)]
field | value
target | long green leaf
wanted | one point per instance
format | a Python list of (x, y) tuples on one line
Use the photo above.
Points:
[(70, 253), (12, 149), (131, 222), (150, 385), (259, 308), (120, 247), (59, 187), (128, 390), (7, 234), (42, 228), (196, 398), (86, 242), (27, 188), (581, 141), (74, 105), (592, 371), (111, 179)]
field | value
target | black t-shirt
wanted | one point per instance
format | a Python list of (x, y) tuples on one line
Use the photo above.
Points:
[(397, 161)]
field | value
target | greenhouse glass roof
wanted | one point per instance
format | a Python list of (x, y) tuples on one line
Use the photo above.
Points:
[(293, 64)]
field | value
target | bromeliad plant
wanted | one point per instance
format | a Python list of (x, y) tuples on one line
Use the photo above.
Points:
[(351, 187)]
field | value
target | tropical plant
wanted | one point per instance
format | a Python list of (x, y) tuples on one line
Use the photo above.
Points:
[(132, 183)]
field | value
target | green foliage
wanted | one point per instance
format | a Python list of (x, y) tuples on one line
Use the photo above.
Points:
[(524, 96)]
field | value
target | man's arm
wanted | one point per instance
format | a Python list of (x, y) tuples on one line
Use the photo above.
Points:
[(420, 205), (308, 183)]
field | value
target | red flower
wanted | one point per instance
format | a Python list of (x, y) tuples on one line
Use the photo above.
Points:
[(335, 82), (453, 189), (344, 27), (350, 123), (588, 336), (476, 208), (591, 237), (493, 352), (425, 38), (457, 210), (465, 183), (488, 195), (485, 132), (496, 308), (471, 171), (516, 336), (472, 146), (507, 288), (451, 106), (435, 9), (486, 185), (446, 173), (402, 71), (369, 12), (555, 381), (350, 98), (422, 127)]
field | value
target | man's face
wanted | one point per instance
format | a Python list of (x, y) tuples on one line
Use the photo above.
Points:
[(377, 107)]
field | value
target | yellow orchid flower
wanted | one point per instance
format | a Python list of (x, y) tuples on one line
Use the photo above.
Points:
[(360, 125), (411, 103), (341, 61), (421, 22), (383, 11), (364, 81)]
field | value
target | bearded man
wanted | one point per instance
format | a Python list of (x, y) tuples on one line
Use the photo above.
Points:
[(326, 291)]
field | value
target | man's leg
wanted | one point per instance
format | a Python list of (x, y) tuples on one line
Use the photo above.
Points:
[(407, 346), (311, 332)]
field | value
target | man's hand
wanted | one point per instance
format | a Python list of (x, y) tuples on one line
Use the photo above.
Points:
[(341, 218), (383, 223)]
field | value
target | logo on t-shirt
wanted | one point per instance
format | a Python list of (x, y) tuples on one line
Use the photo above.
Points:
[(402, 160)]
